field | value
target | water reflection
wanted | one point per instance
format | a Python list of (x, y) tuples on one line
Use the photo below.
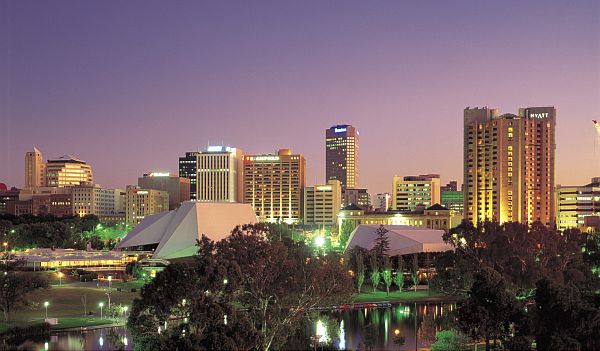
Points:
[(376, 328), (345, 330)]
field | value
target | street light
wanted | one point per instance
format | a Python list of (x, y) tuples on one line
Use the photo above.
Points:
[(60, 275), (109, 281), (46, 303), (5, 244), (125, 308), (101, 304)]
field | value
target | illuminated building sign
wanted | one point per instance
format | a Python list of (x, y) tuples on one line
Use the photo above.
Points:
[(324, 188), (159, 174), (141, 192), (218, 149), (539, 115), (340, 130), (265, 158)]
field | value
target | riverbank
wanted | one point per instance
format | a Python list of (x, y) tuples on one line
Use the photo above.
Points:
[(69, 304), (419, 296)]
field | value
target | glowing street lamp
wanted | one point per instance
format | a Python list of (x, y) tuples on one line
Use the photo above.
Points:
[(319, 241), (101, 304), (109, 281), (60, 275), (46, 303), (5, 244), (125, 308)]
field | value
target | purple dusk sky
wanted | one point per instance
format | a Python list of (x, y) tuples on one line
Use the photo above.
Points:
[(129, 86)]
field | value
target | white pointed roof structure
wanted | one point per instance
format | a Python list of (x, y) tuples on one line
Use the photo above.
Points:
[(403, 239), (176, 231)]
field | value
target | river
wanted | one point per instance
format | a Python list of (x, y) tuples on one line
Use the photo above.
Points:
[(348, 329)]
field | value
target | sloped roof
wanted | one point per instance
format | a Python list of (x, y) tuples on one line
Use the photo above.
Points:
[(403, 239), (176, 231), (352, 207), (67, 158)]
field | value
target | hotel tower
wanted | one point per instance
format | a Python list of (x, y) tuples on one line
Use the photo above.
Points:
[(341, 155), (509, 165)]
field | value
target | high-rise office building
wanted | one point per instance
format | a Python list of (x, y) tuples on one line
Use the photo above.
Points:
[(177, 187), (509, 165), (35, 169), (322, 203), (188, 169), (219, 178), (578, 206), (68, 170), (140, 203), (412, 191), (273, 185), (341, 155)]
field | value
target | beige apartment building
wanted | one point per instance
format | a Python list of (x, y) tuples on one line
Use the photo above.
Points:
[(35, 169), (509, 165), (322, 203), (273, 185), (68, 170), (140, 203), (412, 191)]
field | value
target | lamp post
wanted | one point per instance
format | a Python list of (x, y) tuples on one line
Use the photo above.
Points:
[(60, 275), (5, 244), (46, 303), (125, 308), (109, 282), (101, 304)]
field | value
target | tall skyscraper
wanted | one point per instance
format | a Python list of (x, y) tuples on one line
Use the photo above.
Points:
[(178, 188), (219, 178), (509, 165), (35, 169), (68, 170), (188, 169), (341, 155), (413, 191), (273, 185)]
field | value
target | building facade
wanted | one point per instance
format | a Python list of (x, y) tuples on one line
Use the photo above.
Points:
[(140, 203), (35, 169), (273, 184), (578, 206), (219, 177), (67, 171), (358, 196), (509, 165), (341, 155), (93, 199), (188, 169), (322, 203), (412, 191), (433, 217), (177, 187), (452, 198), (383, 202)]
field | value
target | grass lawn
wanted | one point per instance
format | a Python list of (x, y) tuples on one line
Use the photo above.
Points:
[(404, 296), (66, 301), (136, 284)]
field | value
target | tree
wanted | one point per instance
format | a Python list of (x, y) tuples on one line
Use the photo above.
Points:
[(360, 271), (414, 271), (244, 292), (375, 273), (399, 277), (16, 285), (490, 308), (382, 244), (387, 274), (346, 229), (449, 340)]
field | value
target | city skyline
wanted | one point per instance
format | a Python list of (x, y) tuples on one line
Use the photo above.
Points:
[(239, 82)]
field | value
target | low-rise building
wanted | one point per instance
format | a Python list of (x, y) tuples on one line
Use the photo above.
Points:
[(413, 191), (357, 196), (578, 206), (140, 203), (177, 187), (434, 217), (383, 202), (322, 203)]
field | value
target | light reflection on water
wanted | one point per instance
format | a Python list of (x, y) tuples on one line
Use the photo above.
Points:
[(345, 329)]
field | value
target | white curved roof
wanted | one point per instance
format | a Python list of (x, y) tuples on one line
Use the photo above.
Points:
[(176, 231), (403, 239)]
